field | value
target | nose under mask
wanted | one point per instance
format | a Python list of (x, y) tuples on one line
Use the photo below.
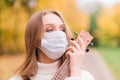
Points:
[(54, 44)]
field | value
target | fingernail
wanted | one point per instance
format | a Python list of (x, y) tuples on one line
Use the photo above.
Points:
[(72, 39), (87, 50)]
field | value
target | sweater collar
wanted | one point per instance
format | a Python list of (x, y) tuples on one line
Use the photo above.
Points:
[(50, 68)]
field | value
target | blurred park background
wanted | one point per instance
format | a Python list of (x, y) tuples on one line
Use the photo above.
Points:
[(100, 17)]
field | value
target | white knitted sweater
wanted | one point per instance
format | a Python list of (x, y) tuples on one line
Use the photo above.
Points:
[(46, 72)]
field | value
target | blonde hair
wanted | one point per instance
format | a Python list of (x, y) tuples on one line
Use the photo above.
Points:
[(33, 32)]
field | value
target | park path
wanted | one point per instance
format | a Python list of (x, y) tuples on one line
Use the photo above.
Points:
[(94, 64)]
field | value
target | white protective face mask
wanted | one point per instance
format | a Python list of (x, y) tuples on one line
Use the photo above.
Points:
[(54, 44)]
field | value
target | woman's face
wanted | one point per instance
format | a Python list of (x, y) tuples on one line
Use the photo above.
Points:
[(52, 22)]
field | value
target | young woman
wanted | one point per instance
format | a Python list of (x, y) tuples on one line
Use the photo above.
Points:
[(47, 42)]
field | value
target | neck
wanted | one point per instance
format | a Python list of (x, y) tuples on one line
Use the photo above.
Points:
[(43, 58)]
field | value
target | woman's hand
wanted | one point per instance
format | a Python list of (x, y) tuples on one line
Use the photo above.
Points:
[(76, 52)]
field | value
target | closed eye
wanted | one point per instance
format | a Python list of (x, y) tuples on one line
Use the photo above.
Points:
[(49, 28), (62, 28)]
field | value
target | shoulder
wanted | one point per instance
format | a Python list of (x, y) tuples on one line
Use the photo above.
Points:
[(16, 77), (87, 75)]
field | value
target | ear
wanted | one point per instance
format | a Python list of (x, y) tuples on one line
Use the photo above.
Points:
[(38, 44)]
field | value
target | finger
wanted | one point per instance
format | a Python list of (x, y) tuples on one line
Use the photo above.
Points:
[(72, 49), (81, 42), (67, 54), (74, 43)]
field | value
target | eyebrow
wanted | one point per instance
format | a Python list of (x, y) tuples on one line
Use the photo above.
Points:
[(48, 24), (53, 24)]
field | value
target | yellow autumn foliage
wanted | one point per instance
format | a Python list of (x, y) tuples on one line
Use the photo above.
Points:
[(108, 32), (13, 21)]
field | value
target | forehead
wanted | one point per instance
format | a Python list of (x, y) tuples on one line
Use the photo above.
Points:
[(51, 18)]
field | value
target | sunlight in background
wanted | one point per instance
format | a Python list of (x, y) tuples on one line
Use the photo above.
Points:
[(105, 3), (90, 5)]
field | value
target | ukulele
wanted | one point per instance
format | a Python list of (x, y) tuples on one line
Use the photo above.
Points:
[(64, 70)]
